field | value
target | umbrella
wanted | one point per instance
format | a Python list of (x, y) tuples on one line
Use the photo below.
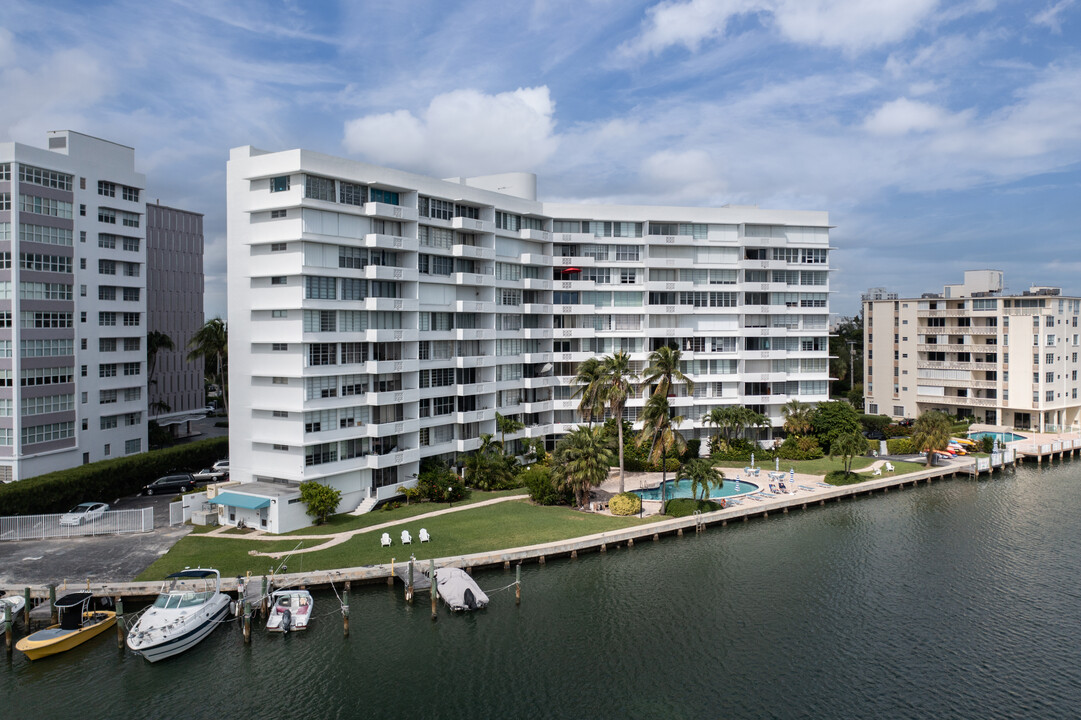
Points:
[(752, 459), (777, 464), (792, 476), (737, 483)]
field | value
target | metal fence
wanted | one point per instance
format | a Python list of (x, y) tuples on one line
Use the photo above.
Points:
[(39, 527)]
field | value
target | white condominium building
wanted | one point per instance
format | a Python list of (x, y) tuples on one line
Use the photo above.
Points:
[(975, 350), (72, 304), (378, 317)]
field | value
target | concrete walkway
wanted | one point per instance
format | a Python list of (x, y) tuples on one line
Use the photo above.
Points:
[(332, 539)]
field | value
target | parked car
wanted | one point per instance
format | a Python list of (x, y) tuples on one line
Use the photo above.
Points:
[(210, 475), (170, 484), (222, 465), (83, 513)]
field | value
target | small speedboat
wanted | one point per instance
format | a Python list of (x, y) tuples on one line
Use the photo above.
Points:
[(15, 602), (77, 625), (290, 610), (459, 590), (186, 611)]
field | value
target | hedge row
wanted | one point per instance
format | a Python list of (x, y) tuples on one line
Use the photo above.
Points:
[(106, 480)]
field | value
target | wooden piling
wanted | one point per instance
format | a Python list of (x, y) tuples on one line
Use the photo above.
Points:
[(120, 622), (506, 564), (630, 542), (679, 532), (53, 616), (434, 591), (345, 616), (540, 560), (604, 547), (656, 537), (263, 601), (390, 578), (409, 587), (26, 607), (518, 584), (8, 639), (574, 554), (247, 622)]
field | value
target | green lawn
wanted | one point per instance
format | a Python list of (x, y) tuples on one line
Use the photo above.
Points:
[(900, 468), (345, 521), (495, 527)]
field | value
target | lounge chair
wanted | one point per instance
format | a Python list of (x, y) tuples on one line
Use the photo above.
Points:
[(781, 486), (385, 540), (424, 536), (825, 485), (407, 539), (889, 466), (772, 488), (769, 495), (878, 471), (806, 489)]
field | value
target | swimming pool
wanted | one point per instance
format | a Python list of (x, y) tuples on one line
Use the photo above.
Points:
[(682, 489), (1002, 436)]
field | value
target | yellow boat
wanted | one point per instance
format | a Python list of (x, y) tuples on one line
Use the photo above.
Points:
[(77, 625)]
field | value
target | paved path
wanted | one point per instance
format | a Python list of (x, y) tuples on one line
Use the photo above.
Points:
[(332, 539)]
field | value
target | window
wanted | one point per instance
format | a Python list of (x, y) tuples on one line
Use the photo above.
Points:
[(106, 267), (47, 235), (279, 247), (44, 291), (279, 313), (133, 446), (128, 219), (350, 193), (133, 368), (320, 288), (107, 215), (384, 196), (131, 194), (107, 370), (318, 188), (48, 433), (323, 354), (352, 257), (279, 347), (279, 184), (275, 214), (45, 206), (131, 294), (106, 189), (108, 422), (45, 178), (132, 319), (132, 344), (279, 280)]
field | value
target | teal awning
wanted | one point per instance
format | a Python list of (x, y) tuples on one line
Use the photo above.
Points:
[(241, 501)]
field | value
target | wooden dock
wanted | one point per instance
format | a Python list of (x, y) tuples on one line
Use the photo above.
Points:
[(1048, 450)]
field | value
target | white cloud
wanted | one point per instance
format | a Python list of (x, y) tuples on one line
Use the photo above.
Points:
[(903, 116), (849, 25), (1049, 16), (464, 132)]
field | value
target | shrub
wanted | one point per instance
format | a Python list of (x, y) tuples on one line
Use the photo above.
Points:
[(803, 448), (102, 481), (832, 419), (899, 446), (872, 423), (840, 477), (625, 504), (893, 431), (222, 424), (682, 507), (634, 464), (694, 447), (542, 490), (438, 483), (987, 443), (671, 464)]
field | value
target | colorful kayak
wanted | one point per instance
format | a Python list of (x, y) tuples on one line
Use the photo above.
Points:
[(77, 625)]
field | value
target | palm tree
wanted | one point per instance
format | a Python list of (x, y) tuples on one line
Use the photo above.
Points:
[(702, 474), (211, 342), (617, 380), (715, 417), (588, 385), (582, 459), (663, 369), (659, 430), (506, 425), (848, 445), (797, 417), (931, 432), (156, 341), (488, 468)]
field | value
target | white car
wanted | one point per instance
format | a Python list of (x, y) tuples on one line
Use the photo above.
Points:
[(210, 475), (221, 465), (83, 513)]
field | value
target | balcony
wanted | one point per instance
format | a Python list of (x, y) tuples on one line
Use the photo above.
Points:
[(390, 212), (384, 304), (537, 357), (536, 283), (565, 261), (471, 225), (473, 416), (479, 279), (385, 336), (475, 334), (672, 240), (954, 400), (536, 259), (537, 309), (397, 427), (661, 286), (923, 313), (392, 397), (393, 459), (474, 306), (535, 407), (574, 285), (475, 361), (476, 252), (387, 272), (479, 388), (537, 431), (538, 235), (537, 383), (578, 309), (537, 333), (467, 445), (575, 332), (389, 242), (382, 367)]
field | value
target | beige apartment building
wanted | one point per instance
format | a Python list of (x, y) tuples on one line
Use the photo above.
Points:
[(975, 350)]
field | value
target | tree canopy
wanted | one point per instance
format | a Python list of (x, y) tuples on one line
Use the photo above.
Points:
[(834, 418), (582, 459), (931, 432)]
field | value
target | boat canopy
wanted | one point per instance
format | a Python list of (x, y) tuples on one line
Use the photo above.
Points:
[(248, 502), (196, 573), (73, 599)]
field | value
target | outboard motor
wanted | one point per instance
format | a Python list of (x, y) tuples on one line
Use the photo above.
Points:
[(469, 599), (287, 620)]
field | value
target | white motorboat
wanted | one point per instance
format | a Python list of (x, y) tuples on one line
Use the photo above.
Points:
[(15, 602), (290, 610), (187, 610), (459, 590)]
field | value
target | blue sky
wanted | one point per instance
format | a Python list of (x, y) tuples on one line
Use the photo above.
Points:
[(940, 136)]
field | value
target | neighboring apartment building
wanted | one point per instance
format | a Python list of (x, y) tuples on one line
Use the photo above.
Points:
[(72, 304), (379, 317), (174, 276), (974, 350)]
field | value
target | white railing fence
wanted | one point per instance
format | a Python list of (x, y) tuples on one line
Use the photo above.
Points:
[(39, 527), (181, 510)]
